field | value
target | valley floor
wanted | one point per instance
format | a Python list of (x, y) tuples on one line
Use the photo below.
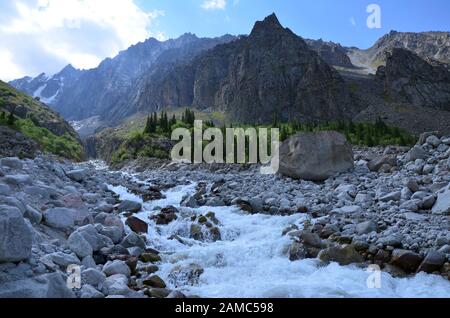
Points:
[(164, 230)]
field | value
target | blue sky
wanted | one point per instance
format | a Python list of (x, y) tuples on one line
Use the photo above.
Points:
[(45, 35), (327, 19)]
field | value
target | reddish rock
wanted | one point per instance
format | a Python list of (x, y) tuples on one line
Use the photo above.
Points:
[(73, 201), (137, 225), (406, 260)]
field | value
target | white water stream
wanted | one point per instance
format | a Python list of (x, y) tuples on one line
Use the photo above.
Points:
[(251, 259)]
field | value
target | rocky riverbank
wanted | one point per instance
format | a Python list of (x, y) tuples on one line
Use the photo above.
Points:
[(392, 210)]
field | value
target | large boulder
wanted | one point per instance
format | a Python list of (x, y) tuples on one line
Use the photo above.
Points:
[(316, 156), (133, 240), (442, 205), (60, 218), (77, 175), (62, 259), (116, 285), (45, 286), (377, 163), (406, 260), (129, 206), (96, 240), (13, 163), (415, 153), (93, 277), (79, 245), (137, 225), (18, 180), (15, 235), (433, 262), (116, 267)]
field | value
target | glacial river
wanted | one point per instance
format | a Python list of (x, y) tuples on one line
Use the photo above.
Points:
[(251, 259)]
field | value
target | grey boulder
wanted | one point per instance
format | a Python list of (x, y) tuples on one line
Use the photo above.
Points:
[(79, 245), (116, 285), (316, 156), (13, 163), (129, 206), (116, 267), (60, 218), (45, 286), (96, 240), (442, 205), (77, 175), (89, 292), (93, 277), (417, 152), (15, 236)]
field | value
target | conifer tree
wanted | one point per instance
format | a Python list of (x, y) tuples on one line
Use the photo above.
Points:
[(11, 119), (172, 121), (147, 129)]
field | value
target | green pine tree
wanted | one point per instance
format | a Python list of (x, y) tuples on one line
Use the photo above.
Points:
[(11, 119), (173, 121), (147, 128)]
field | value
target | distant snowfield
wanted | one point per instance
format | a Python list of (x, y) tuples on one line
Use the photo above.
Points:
[(251, 259), (45, 100)]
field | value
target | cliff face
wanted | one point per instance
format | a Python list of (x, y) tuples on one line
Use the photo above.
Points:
[(427, 45), (270, 74), (333, 53), (411, 79)]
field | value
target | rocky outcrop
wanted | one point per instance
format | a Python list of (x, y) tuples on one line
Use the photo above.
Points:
[(409, 78), (333, 53), (434, 45), (315, 156)]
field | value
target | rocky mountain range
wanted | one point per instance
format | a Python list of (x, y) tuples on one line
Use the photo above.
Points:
[(270, 74), (48, 89), (100, 91)]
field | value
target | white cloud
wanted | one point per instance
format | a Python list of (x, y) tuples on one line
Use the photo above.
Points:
[(352, 21), (214, 4), (7, 65), (45, 35)]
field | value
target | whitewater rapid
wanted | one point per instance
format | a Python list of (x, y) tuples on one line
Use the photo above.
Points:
[(251, 260)]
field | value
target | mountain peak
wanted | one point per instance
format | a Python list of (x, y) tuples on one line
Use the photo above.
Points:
[(271, 22), (272, 19), (188, 35), (68, 68)]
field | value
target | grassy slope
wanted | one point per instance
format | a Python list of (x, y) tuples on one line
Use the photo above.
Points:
[(31, 119)]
